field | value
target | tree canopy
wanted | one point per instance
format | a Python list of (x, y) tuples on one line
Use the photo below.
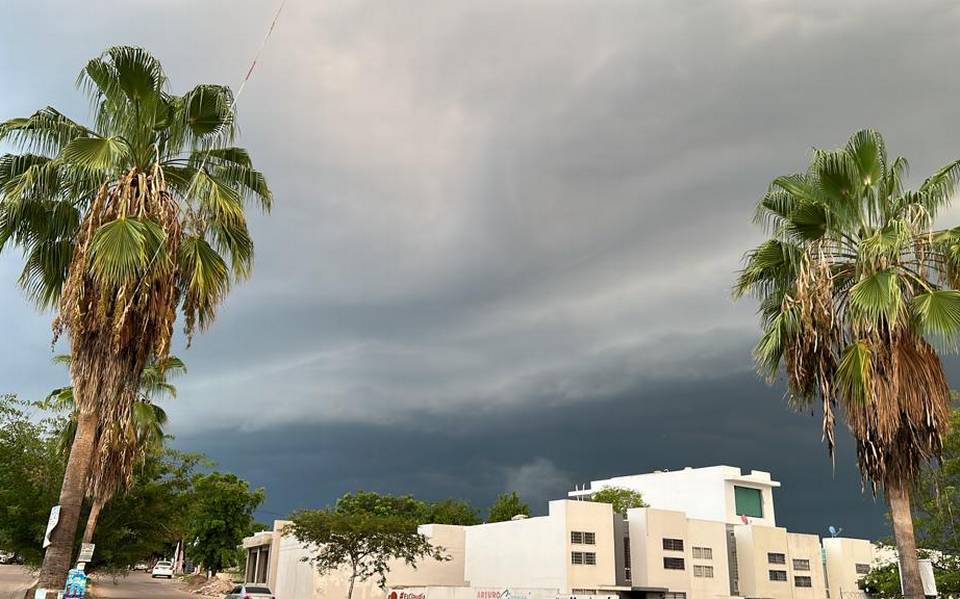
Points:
[(620, 498), (506, 506), (221, 516), (363, 532)]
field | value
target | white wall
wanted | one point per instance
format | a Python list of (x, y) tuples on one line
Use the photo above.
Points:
[(520, 553), (702, 493)]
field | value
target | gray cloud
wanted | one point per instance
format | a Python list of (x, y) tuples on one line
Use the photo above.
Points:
[(486, 208)]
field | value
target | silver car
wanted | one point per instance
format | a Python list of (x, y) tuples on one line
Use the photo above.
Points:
[(250, 590)]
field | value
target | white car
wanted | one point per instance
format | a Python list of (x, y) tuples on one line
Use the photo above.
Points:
[(250, 590), (162, 568)]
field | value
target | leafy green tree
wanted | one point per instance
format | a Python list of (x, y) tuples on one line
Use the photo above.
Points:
[(151, 516), (371, 502), (452, 511), (124, 223), (31, 468), (883, 582), (620, 498), (506, 507), (362, 541), (857, 289), (220, 517), (141, 434)]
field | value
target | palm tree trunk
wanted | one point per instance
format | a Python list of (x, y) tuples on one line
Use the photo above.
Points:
[(95, 510), (59, 555), (898, 495)]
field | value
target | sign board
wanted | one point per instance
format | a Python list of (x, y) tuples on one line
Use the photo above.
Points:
[(86, 553), (51, 524), (76, 587)]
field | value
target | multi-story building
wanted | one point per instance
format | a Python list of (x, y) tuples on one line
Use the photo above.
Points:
[(709, 533)]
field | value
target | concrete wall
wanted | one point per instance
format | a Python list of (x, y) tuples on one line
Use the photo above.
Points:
[(648, 527), (702, 493), (806, 547), (521, 553), (842, 557), (586, 516), (297, 579)]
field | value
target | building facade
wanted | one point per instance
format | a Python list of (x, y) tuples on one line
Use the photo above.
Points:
[(709, 533)]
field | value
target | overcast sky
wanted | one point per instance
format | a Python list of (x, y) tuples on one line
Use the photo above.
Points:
[(505, 231)]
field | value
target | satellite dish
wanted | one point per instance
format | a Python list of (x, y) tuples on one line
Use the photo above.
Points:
[(834, 531)]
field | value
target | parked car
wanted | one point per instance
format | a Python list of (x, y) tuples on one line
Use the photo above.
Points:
[(6, 557), (163, 568), (250, 591), (141, 567)]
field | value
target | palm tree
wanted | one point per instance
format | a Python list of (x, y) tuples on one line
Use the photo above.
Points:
[(122, 224), (120, 445), (857, 292)]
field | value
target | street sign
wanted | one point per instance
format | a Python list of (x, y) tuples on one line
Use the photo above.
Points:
[(86, 553), (51, 524)]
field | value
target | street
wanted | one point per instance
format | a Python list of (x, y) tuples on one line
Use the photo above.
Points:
[(137, 585)]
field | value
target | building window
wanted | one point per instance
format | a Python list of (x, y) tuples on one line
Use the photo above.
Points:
[(802, 581), (576, 537), (776, 558), (673, 563), (749, 502), (626, 557), (801, 564), (580, 558), (703, 571), (702, 553), (673, 544), (584, 591), (778, 575), (674, 596), (863, 568), (589, 538)]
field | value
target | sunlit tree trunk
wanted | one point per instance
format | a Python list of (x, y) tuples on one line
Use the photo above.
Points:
[(898, 495), (95, 510), (353, 579), (59, 555)]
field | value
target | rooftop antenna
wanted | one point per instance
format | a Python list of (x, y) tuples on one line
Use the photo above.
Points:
[(834, 531)]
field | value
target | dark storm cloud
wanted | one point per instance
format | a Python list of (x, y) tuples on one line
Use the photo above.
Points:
[(498, 222), (543, 451)]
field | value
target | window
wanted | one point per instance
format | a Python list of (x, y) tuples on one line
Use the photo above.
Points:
[(580, 558), (778, 575), (801, 564), (776, 558), (626, 558), (674, 596), (589, 538), (576, 537), (863, 568), (749, 502), (702, 553), (673, 544), (584, 591), (802, 581), (703, 571), (673, 563)]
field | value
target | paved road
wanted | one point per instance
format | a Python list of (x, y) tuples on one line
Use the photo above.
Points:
[(135, 586), (140, 586)]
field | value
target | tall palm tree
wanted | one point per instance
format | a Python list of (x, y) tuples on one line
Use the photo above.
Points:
[(857, 293), (122, 224), (120, 445)]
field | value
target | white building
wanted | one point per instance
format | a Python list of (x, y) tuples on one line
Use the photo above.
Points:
[(717, 493), (709, 533)]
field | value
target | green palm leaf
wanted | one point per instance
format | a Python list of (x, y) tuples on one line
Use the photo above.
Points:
[(122, 250)]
